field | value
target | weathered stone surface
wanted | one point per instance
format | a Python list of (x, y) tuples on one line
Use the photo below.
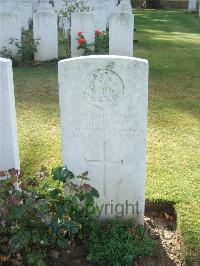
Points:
[(10, 27), (9, 152), (121, 28), (103, 101), (45, 28)]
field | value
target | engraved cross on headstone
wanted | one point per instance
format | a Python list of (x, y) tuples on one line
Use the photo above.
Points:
[(104, 161)]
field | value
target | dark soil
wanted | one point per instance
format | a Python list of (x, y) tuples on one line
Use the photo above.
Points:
[(160, 225)]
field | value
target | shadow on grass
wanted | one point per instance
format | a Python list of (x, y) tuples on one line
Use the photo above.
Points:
[(159, 207), (166, 20)]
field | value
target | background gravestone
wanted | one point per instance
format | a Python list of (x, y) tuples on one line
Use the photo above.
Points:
[(124, 7), (24, 15), (29, 9), (45, 28), (100, 15), (192, 5), (103, 102), (121, 28), (111, 8), (9, 152), (45, 7), (35, 4), (10, 26), (81, 22)]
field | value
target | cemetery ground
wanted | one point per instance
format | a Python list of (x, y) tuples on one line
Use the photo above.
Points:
[(170, 40)]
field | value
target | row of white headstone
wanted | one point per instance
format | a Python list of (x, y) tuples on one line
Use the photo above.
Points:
[(121, 29), (44, 29), (103, 125), (104, 9)]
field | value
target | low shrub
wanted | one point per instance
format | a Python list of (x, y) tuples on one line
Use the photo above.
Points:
[(35, 221), (116, 242), (101, 42), (7, 53), (25, 49)]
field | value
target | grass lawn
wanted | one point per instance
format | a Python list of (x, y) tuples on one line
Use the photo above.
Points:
[(170, 40)]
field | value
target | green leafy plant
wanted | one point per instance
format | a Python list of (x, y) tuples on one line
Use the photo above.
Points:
[(25, 49), (67, 42), (28, 45), (116, 242), (7, 53), (34, 221), (101, 42)]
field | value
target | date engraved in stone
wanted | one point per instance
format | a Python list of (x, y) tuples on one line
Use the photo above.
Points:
[(105, 88)]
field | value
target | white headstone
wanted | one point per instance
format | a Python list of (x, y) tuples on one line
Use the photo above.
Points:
[(103, 101), (45, 28), (9, 151), (59, 4), (192, 5), (10, 27), (81, 22), (24, 15), (121, 28), (110, 9), (7, 6), (100, 16), (45, 7), (124, 7), (35, 4), (29, 9)]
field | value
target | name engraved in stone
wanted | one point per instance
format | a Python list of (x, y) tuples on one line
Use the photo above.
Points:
[(102, 125)]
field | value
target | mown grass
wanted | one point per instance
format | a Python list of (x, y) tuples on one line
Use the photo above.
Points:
[(38, 117), (170, 40)]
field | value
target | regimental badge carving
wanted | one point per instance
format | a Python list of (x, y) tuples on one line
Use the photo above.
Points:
[(105, 88)]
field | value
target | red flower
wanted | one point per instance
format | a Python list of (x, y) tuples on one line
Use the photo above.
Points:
[(79, 33), (3, 173), (81, 41), (98, 32), (86, 187)]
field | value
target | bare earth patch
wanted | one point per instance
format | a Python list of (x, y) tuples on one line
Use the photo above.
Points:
[(167, 243), (160, 225)]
